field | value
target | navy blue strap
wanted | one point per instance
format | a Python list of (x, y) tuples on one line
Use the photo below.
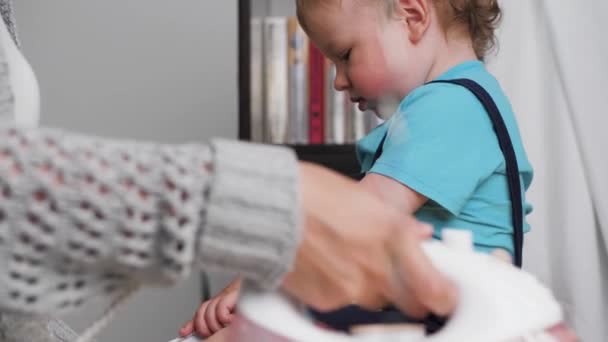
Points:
[(506, 146)]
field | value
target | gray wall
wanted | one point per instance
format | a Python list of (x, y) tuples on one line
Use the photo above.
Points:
[(273, 7), (146, 69)]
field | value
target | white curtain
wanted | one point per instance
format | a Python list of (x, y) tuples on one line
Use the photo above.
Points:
[(553, 63)]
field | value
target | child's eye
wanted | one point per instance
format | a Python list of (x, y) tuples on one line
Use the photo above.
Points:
[(346, 56)]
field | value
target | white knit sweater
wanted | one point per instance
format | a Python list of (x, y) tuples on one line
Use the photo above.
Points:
[(83, 216)]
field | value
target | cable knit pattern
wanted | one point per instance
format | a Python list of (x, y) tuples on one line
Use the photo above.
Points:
[(252, 203), (80, 215), (83, 216)]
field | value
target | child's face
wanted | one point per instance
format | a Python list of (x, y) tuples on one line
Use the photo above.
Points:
[(374, 56)]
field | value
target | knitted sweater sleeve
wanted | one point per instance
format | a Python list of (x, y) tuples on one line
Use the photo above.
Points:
[(82, 216)]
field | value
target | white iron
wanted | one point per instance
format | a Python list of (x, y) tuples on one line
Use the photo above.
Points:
[(498, 303)]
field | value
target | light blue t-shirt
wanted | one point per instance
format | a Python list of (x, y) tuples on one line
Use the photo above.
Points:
[(441, 143)]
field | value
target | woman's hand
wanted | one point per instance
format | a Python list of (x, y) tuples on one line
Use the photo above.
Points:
[(357, 250)]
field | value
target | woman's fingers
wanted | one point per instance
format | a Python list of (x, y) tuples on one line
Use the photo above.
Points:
[(413, 267)]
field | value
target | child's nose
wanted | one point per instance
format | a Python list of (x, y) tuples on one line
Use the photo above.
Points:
[(341, 82)]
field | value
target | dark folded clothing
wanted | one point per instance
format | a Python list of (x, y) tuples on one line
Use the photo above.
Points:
[(347, 317)]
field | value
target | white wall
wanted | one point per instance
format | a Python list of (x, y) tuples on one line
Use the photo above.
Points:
[(146, 69), (110, 66), (552, 64)]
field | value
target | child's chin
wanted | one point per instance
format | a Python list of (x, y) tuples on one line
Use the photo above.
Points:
[(384, 109), (384, 115)]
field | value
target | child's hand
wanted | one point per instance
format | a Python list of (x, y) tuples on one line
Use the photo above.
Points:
[(561, 333), (214, 314)]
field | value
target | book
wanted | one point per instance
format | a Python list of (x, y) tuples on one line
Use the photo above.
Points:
[(316, 95), (257, 80), (298, 83), (276, 77), (337, 107), (359, 123), (362, 123)]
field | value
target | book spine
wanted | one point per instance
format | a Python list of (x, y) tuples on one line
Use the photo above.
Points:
[(316, 72), (298, 83), (257, 80), (277, 106), (359, 123), (335, 114)]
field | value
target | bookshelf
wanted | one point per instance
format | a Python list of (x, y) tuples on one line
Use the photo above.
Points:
[(339, 157)]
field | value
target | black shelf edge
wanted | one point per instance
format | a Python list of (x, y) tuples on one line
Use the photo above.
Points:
[(244, 69), (340, 158), (323, 148)]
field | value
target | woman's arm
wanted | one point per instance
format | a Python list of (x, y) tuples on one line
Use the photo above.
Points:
[(83, 216)]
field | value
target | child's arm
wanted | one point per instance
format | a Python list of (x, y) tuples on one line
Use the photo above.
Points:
[(392, 192), (214, 314), (406, 199)]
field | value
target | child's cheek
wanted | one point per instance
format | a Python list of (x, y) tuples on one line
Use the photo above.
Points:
[(371, 82)]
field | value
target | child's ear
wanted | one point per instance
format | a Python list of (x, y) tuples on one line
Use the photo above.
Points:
[(417, 16)]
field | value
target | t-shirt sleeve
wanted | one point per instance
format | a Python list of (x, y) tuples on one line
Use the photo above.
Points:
[(441, 144)]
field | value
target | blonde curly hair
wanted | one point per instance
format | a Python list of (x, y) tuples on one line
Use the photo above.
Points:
[(479, 17)]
